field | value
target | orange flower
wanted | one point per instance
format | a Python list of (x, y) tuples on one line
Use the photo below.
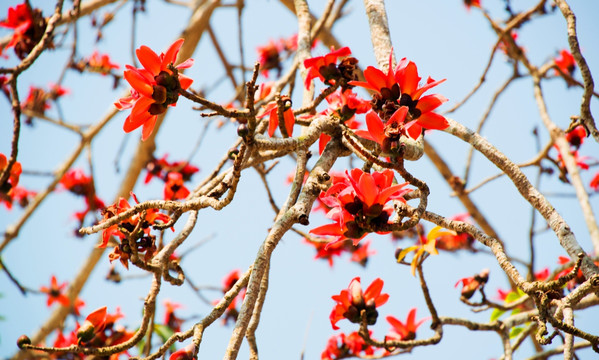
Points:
[(154, 87), (55, 293), (404, 331), (101, 63)]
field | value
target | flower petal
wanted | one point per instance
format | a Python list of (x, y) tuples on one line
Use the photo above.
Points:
[(171, 54), (148, 127), (139, 83), (375, 126), (148, 58), (431, 120)]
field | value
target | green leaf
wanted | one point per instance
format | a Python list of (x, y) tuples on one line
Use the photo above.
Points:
[(516, 311), (515, 331), (496, 314), (512, 296)]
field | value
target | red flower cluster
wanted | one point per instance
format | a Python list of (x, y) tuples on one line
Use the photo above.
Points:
[(99, 330), (398, 105), (343, 104), (144, 241), (343, 346), (173, 174), (80, 184), (29, 26), (155, 87), (358, 203), (326, 69), (351, 302)]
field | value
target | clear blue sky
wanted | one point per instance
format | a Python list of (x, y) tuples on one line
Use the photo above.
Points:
[(444, 39)]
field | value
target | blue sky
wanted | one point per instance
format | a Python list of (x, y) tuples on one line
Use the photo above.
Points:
[(444, 39)]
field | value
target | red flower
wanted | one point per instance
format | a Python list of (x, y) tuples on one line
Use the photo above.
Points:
[(153, 217), (343, 104), (18, 195), (101, 63), (77, 182), (473, 283), (230, 280), (325, 67), (456, 241), (400, 87), (359, 198), (576, 136), (404, 331), (170, 319), (161, 168), (271, 109), (174, 188), (29, 26), (155, 87), (594, 184), (269, 56), (472, 3), (342, 346), (327, 252), (580, 161), (351, 302), (55, 293), (185, 353), (7, 190), (360, 253), (20, 19), (565, 62), (94, 324), (386, 134)]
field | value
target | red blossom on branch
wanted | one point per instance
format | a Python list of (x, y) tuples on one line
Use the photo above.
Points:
[(100, 63), (565, 62), (473, 283), (28, 28), (174, 189), (272, 109), (472, 3), (325, 67), (594, 184), (155, 87), (343, 346), (343, 104), (358, 200), (170, 319), (401, 87), (55, 293), (404, 331), (351, 302)]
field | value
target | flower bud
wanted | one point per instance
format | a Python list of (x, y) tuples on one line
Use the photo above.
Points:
[(242, 130), (23, 340)]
